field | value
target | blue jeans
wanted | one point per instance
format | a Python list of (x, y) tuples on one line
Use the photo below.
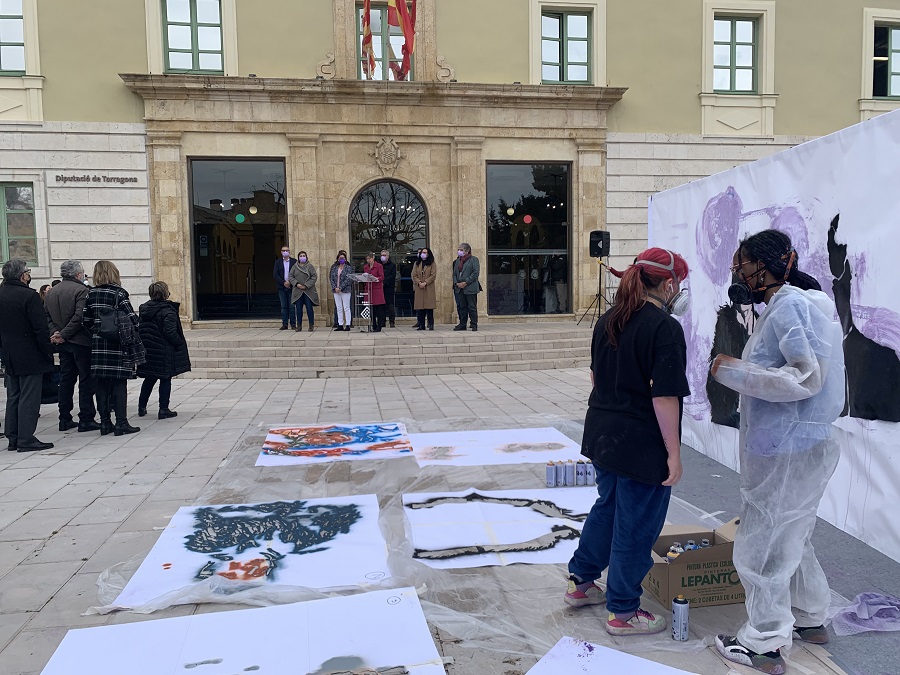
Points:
[(304, 301), (287, 309), (618, 534)]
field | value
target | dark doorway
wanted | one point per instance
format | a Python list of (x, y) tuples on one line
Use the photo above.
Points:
[(238, 214)]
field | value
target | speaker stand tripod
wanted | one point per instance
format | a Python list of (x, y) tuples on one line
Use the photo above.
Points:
[(595, 303)]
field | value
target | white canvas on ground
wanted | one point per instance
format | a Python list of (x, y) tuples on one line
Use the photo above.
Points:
[(478, 528), (572, 656), (312, 543), (838, 200), (500, 446), (289, 444), (383, 631)]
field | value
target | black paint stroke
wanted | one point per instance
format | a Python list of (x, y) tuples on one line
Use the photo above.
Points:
[(305, 526), (545, 542), (353, 665), (873, 370), (729, 339), (542, 506)]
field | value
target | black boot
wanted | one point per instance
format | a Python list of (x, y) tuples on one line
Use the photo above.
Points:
[(460, 326), (122, 428), (88, 425), (165, 413), (106, 427), (142, 409)]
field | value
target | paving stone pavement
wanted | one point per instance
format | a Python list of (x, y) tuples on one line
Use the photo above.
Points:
[(70, 513)]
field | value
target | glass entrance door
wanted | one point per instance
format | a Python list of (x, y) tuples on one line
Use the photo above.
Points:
[(238, 214), (528, 238)]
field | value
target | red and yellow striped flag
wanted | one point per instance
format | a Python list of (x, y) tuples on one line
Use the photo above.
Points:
[(399, 15), (368, 53)]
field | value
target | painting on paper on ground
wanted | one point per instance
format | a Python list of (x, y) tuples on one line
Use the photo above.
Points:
[(577, 656), (382, 632), (497, 446), (478, 528), (315, 543), (314, 443)]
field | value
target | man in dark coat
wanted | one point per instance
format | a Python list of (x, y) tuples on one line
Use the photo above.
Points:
[(26, 354), (65, 306), (167, 350), (466, 286), (282, 276), (390, 287)]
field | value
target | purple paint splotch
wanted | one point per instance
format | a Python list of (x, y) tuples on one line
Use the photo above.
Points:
[(717, 236)]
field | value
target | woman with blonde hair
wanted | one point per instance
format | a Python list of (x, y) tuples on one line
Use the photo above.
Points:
[(116, 348)]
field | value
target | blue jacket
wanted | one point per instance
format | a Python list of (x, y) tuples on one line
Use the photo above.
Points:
[(278, 273)]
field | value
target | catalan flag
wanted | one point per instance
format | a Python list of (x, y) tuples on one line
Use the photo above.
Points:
[(368, 53), (400, 15)]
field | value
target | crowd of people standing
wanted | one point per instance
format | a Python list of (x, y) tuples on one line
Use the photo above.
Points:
[(101, 343)]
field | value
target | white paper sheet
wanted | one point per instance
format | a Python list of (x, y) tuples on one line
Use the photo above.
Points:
[(380, 630), (571, 656), (289, 444), (837, 198), (478, 528), (501, 446), (315, 543)]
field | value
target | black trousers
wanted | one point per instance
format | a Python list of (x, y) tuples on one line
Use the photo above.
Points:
[(112, 396), (75, 364), (467, 308), (389, 307), (423, 316), (378, 317), (165, 391), (23, 407)]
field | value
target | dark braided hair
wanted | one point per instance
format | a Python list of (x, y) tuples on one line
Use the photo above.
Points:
[(774, 250)]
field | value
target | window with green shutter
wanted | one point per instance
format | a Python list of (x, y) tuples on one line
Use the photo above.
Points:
[(12, 38), (735, 47), (192, 36), (886, 62), (565, 48), (18, 234)]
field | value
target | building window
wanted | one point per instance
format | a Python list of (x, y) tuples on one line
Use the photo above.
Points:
[(886, 62), (565, 48), (193, 36), (735, 44), (528, 238), (18, 235), (12, 38), (387, 44)]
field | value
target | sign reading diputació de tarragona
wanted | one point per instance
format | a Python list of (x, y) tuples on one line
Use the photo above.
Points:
[(93, 179)]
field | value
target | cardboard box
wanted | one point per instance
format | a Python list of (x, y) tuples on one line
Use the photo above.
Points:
[(705, 577)]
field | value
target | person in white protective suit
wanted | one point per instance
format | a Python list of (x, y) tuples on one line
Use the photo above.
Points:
[(792, 385)]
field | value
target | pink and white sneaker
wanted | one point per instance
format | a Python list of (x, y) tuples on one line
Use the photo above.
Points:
[(582, 594), (642, 623)]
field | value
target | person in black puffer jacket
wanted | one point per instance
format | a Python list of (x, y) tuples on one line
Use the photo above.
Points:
[(167, 350)]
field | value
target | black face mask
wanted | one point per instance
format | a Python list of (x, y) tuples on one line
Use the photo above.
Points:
[(742, 293)]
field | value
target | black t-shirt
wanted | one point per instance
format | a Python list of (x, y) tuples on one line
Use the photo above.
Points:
[(621, 433)]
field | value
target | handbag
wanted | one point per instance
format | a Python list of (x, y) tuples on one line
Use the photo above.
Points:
[(111, 322)]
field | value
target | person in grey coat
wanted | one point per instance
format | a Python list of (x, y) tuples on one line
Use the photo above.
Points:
[(26, 354), (65, 306), (303, 282), (466, 286)]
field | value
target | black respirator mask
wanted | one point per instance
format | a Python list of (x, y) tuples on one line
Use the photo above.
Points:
[(742, 293)]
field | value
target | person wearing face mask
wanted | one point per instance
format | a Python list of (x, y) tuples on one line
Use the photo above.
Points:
[(303, 279), (282, 275), (424, 273), (375, 290), (26, 354), (632, 435), (390, 288), (342, 288), (466, 286), (792, 384)]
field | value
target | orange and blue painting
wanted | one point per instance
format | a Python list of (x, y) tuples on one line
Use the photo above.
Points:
[(313, 443)]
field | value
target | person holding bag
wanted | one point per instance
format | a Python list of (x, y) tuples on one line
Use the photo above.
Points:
[(116, 347), (167, 350)]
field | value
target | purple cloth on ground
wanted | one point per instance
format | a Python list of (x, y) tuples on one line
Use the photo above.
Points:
[(868, 612)]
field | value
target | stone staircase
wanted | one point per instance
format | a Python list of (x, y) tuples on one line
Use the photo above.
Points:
[(258, 353)]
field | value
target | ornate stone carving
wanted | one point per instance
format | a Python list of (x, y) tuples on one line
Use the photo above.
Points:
[(325, 68), (445, 72), (387, 155)]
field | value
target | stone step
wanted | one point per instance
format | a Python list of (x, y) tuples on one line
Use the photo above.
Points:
[(239, 373)]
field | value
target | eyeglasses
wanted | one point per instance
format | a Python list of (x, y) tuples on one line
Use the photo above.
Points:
[(27, 271), (735, 268)]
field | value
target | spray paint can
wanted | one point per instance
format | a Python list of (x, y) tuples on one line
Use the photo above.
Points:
[(551, 475), (570, 473), (672, 554), (589, 477), (678, 547), (580, 470), (704, 543), (691, 545), (680, 610), (560, 474)]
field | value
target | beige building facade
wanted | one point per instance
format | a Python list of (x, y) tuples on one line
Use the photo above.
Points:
[(127, 126)]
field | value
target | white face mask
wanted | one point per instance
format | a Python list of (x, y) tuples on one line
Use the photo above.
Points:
[(679, 304)]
